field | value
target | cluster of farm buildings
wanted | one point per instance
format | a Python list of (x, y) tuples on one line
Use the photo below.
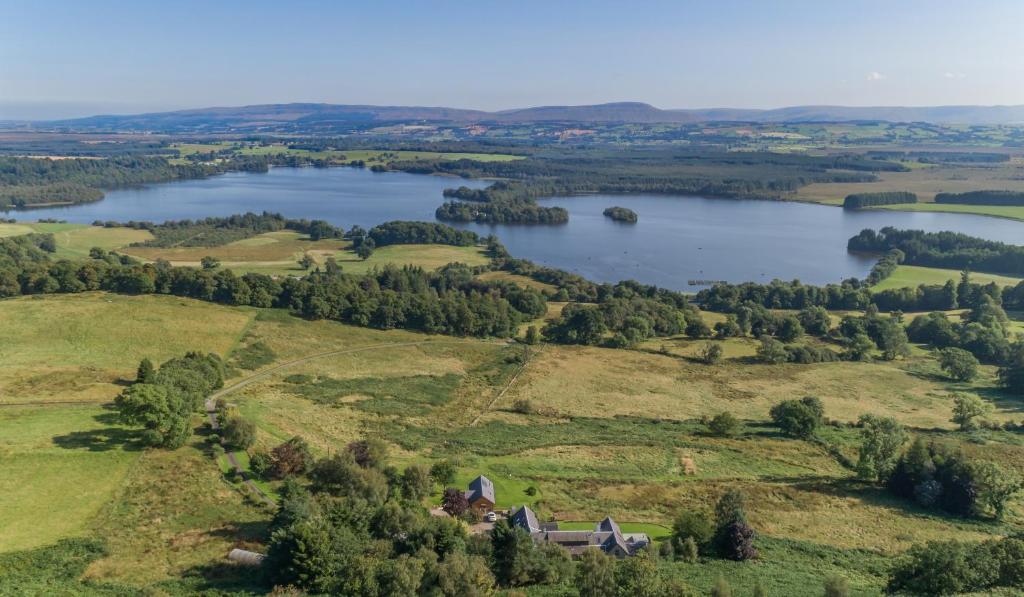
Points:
[(606, 536)]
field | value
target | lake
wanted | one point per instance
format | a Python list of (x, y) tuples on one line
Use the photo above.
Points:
[(677, 239)]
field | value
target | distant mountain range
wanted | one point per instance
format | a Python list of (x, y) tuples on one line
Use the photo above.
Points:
[(314, 115)]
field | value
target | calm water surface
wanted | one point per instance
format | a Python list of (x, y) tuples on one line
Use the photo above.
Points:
[(678, 239)]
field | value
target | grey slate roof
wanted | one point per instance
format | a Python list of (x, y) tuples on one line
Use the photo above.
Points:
[(525, 519), (480, 487), (605, 536)]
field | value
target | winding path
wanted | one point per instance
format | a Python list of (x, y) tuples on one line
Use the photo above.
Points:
[(211, 402)]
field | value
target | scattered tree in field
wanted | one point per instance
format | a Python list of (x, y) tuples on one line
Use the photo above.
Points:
[(937, 476), (790, 329), (815, 320), (292, 457), (798, 418), (146, 372), (239, 433), (883, 440), (331, 267), (967, 408), (936, 568), (772, 351), (365, 249), (307, 262), (995, 487), (1011, 375), (532, 335), (697, 526), (443, 473), (724, 425), (710, 353), (209, 262), (454, 502), (958, 363), (161, 410), (859, 348), (733, 536)]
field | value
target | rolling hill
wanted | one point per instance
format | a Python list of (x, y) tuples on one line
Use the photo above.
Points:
[(310, 115)]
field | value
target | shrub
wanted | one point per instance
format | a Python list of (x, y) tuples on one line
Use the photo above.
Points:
[(724, 425), (697, 526), (966, 410), (737, 542), (522, 406), (260, 463), (454, 502), (772, 351), (690, 552), (443, 473), (798, 418), (836, 586), (711, 353), (293, 457), (239, 433), (958, 363)]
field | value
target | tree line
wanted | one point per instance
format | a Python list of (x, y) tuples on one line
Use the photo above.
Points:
[(25, 182), (162, 401), (862, 200), (950, 250), (759, 175), (982, 198)]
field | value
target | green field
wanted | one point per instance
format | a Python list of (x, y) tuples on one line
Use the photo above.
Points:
[(612, 432), (998, 211), (278, 253), (369, 156), (928, 180), (60, 466), (77, 347), (913, 276), (14, 230)]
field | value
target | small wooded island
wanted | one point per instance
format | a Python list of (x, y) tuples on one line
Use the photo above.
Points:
[(621, 214)]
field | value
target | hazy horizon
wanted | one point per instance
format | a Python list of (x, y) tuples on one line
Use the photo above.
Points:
[(69, 59)]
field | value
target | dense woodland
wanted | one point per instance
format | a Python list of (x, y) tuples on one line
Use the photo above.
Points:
[(449, 301), (621, 214), (862, 200), (982, 198), (25, 182), (740, 175), (949, 250)]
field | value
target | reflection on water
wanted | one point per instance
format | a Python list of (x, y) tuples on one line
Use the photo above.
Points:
[(677, 239)]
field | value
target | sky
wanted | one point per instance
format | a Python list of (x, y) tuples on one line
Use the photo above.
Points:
[(64, 58)]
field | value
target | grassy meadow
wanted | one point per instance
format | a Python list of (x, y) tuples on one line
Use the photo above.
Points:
[(272, 253), (927, 181), (369, 156), (912, 276), (607, 432)]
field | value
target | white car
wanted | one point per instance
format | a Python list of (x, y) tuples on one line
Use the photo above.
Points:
[(490, 517)]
